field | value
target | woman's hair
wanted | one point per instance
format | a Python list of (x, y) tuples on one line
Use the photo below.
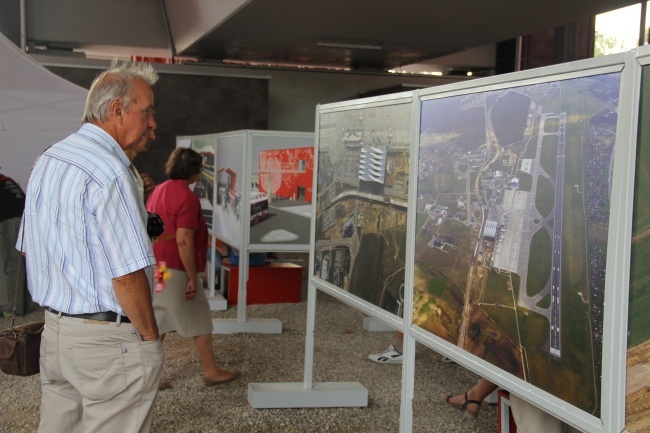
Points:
[(117, 83), (183, 163)]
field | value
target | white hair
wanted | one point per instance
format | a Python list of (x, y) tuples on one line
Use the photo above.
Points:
[(117, 83)]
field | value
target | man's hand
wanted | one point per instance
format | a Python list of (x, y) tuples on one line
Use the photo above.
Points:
[(134, 296)]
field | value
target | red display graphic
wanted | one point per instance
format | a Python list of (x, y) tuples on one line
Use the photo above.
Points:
[(287, 173)]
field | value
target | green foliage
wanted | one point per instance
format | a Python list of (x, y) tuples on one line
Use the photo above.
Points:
[(437, 285), (545, 197), (604, 45), (541, 248), (548, 157)]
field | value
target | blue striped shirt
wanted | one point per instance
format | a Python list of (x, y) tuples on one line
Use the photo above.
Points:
[(84, 224)]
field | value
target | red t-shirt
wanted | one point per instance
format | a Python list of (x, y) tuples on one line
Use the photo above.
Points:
[(178, 207)]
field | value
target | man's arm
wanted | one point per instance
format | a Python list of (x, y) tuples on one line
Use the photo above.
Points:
[(134, 296)]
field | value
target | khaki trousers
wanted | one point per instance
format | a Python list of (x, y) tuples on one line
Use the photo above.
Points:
[(97, 377)]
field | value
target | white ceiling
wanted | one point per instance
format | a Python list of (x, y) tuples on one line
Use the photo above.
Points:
[(387, 34)]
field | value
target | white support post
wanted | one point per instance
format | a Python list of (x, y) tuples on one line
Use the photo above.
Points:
[(408, 384), (216, 300)]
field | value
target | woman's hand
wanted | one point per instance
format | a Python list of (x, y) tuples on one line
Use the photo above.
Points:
[(190, 290), (148, 185)]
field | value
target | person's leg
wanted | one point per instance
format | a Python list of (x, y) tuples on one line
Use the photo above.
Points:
[(212, 375), (114, 370), (392, 355), (60, 403), (398, 341), (471, 401)]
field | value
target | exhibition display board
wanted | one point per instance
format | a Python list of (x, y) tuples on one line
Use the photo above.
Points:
[(256, 187), (362, 196), (204, 188), (511, 246), (280, 167), (637, 398), (264, 177), (516, 258), (205, 145)]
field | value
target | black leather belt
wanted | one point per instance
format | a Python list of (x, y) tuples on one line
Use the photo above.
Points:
[(104, 316)]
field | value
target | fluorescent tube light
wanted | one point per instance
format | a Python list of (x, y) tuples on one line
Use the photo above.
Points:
[(349, 46)]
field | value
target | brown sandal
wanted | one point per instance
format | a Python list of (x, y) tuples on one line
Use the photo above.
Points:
[(463, 407)]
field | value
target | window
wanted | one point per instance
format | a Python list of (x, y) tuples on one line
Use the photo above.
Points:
[(619, 30)]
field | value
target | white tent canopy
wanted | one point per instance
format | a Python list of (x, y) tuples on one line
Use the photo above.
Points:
[(37, 109)]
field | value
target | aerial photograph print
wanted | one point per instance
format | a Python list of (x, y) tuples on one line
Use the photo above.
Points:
[(511, 228), (362, 196)]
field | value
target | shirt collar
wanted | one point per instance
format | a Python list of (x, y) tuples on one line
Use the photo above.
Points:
[(103, 138)]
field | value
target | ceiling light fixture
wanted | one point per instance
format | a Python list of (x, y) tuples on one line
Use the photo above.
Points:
[(286, 64), (402, 71), (349, 46)]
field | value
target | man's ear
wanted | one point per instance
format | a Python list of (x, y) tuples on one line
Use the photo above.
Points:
[(117, 110)]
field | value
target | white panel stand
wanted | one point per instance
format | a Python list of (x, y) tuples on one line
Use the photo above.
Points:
[(295, 395), (307, 394), (217, 301), (374, 325), (504, 411), (241, 324)]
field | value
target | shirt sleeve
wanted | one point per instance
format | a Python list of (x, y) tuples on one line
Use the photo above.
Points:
[(120, 220), (188, 211)]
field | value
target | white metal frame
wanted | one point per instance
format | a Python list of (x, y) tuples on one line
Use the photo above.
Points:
[(615, 326), (326, 394)]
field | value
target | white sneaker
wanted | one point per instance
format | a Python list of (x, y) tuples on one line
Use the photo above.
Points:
[(388, 356)]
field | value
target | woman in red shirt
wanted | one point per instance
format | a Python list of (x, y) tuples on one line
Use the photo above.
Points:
[(182, 305)]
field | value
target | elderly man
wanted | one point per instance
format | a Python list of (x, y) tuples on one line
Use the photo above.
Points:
[(87, 248)]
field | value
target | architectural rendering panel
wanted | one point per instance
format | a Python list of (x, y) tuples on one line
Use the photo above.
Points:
[(281, 196), (204, 186), (637, 407), (361, 200), (511, 229), (227, 211)]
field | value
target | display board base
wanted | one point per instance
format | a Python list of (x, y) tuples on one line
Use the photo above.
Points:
[(374, 325), (294, 395), (250, 326), (217, 302)]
